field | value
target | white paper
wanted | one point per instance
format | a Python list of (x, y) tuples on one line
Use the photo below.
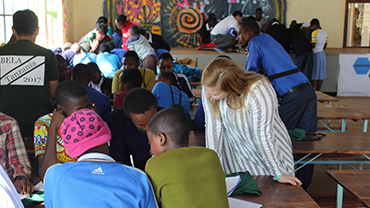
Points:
[(236, 203), (232, 183), (39, 186)]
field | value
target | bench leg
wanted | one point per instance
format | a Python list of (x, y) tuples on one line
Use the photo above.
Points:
[(365, 125), (343, 125), (339, 196)]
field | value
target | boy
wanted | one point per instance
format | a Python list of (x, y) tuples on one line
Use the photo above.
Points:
[(82, 183), (167, 93), (165, 64), (129, 144), (108, 63), (131, 60), (124, 25), (141, 46), (182, 176), (129, 79)]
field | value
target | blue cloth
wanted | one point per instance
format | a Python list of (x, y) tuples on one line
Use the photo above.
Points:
[(159, 51), (319, 66), (162, 93), (119, 52), (102, 102), (187, 71), (127, 140), (84, 58), (79, 184), (264, 52), (199, 118), (305, 63), (117, 40), (108, 63), (68, 56)]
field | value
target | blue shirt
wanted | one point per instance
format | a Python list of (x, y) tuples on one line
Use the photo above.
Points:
[(264, 52), (162, 93), (108, 63), (117, 40), (84, 58), (102, 102), (119, 52), (68, 56), (89, 183)]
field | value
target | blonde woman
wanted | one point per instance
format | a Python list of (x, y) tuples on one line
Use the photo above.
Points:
[(243, 124)]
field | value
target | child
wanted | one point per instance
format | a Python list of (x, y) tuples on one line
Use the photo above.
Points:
[(108, 63), (95, 180), (84, 57), (131, 60), (141, 46), (167, 93), (97, 78), (182, 176), (165, 64), (100, 38), (129, 79)]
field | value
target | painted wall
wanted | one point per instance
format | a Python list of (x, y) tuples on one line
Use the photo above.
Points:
[(330, 13)]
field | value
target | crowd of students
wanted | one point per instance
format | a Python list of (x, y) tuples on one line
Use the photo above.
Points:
[(137, 154)]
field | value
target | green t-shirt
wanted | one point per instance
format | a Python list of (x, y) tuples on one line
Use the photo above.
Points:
[(188, 177), (26, 69)]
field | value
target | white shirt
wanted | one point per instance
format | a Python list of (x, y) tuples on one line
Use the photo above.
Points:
[(225, 25), (320, 37), (97, 87), (8, 193)]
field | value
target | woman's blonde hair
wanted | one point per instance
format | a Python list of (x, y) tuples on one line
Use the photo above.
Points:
[(229, 77)]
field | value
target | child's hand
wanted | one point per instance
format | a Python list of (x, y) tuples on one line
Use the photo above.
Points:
[(56, 120), (289, 179), (94, 44), (23, 186)]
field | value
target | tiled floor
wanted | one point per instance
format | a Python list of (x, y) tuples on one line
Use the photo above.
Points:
[(323, 188)]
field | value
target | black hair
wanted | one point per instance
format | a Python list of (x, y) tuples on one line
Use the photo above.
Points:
[(102, 28), (68, 90), (315, 22), (211, 14), (250, 25), (132, 77), (212, 19), (165, 56), (121, 18), (101, 20), (249, 18), (238, 13), (111, 45), (116, 30), (135, 29), (142, 32), (104, 48), (273, 20), (94, 68), (81, 72), (296, 29), (138, 101), (60, 59), (132, 54), (259, 9), (169, 76), (25, 22), (173, 123)]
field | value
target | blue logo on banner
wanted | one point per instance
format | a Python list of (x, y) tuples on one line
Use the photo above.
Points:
[(362, 66)]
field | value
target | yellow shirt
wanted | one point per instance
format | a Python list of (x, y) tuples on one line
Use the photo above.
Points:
[(148, 79)]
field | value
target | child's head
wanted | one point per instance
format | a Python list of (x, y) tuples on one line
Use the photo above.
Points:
[(168, 129), (104, 48), (165, 62), (81, 74), (168, 78), (70, 96), (84, 130), (76, 47), (130, 60), (62, 68), (140, 105), (130, 79), (121, 21), (102, 20), (101, 32), (95, 72), (111, 45), (134, 30)]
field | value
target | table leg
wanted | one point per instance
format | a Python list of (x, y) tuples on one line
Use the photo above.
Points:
[(365, 125), (339, 196), (343, 125)]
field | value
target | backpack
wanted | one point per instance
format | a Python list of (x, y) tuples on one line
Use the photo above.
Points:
[(179, 106)]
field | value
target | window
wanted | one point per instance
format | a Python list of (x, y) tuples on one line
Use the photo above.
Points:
[(357, 27), (49, 13)]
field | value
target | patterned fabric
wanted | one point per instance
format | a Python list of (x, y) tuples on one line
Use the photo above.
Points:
[(13, 154), (252, 138), (40, 137)]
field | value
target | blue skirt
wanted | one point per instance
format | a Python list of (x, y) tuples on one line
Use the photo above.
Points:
[(319, 66)]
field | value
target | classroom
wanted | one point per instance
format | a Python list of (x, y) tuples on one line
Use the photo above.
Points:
[(215, 103)]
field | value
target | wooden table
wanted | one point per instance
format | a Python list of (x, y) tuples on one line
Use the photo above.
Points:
[(343, 112), (335, 148), (197, 93), (197, 138), (322, 97), (275, 194), (195, 84), (357, 182)]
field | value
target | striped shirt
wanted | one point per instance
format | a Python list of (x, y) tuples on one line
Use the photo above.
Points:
[(252, 138)]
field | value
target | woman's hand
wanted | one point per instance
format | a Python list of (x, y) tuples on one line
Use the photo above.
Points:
[(289, 179)]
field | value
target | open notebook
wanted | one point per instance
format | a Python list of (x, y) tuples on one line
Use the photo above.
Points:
[(231, 184)]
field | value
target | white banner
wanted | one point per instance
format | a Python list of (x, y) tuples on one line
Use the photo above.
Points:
[(354, 71), (22, 70)]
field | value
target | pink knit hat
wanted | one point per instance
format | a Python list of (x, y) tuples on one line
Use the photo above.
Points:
[(82, 131)]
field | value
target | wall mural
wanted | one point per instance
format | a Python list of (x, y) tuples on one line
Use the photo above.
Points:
[(179, 20)]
